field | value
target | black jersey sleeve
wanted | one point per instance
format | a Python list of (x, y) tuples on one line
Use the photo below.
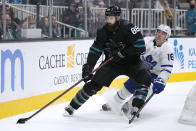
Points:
[(96, 49), (135, 40)]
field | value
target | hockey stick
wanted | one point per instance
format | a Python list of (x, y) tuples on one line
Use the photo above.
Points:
[(130, 121), (23, 120)]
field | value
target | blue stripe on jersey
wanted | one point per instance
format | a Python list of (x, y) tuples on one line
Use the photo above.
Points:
[(140, 40), (96, 49), (91, 51), (139, 45), (166, 70), (166, 65)]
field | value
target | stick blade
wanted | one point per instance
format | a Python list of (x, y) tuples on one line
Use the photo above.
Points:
[(22, 120)]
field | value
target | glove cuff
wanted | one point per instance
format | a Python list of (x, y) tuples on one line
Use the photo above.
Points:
[(120, 55), (159, 80)]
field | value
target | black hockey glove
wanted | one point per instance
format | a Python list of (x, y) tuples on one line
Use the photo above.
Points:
[(117, 56), (86, 70), (115, 50)]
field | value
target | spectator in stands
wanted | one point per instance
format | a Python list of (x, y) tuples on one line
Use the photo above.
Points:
[(165, 5), (142, 3), (14, 19), (89, 5), (7, 8), (28, 22), (31, 22), (168, 11), (99, 3), (45, 27), (71, 17), (11, 23), (11, 13), (34, 2), (162, 4), (10, 28), (78, 2), (55, 30), (191, 18), (101, 19), (120, 3), (59, 2), (18, 1), (23, 25)]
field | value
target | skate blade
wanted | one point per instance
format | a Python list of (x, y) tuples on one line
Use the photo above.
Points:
[(67, 115)]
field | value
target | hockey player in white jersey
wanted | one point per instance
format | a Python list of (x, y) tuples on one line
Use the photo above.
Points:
[(159, 58)]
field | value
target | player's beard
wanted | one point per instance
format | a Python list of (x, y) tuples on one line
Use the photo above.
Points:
[(112, 27)]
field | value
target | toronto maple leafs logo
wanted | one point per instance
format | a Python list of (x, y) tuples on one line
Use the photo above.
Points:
[(149, 62), (178, 53)]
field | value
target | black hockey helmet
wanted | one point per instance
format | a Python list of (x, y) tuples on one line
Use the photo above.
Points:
[(113, 11)]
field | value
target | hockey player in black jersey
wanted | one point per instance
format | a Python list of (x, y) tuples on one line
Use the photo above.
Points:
[(124, 43)]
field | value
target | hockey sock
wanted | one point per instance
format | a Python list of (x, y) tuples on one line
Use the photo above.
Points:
[(80, 98), (140, 96)]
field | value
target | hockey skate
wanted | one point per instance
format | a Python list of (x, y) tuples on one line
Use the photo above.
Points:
[(69, 111), (129, 111)]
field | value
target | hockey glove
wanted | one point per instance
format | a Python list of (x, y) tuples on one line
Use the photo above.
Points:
[(117, 56), (86, 70), (159, 85)]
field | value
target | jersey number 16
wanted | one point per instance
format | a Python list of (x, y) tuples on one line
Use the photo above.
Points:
[(170, 57)]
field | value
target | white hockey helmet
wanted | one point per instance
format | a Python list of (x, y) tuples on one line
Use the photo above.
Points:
[(165, 29)]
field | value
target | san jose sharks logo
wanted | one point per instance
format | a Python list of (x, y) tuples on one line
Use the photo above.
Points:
[(178, 53), (149, 62)]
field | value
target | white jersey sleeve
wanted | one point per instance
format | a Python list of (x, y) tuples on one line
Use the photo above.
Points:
[(166, 61)]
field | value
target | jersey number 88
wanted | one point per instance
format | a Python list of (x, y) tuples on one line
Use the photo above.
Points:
[(135, 29)]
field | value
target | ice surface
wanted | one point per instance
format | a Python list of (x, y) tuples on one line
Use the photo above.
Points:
[(160, 114)]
